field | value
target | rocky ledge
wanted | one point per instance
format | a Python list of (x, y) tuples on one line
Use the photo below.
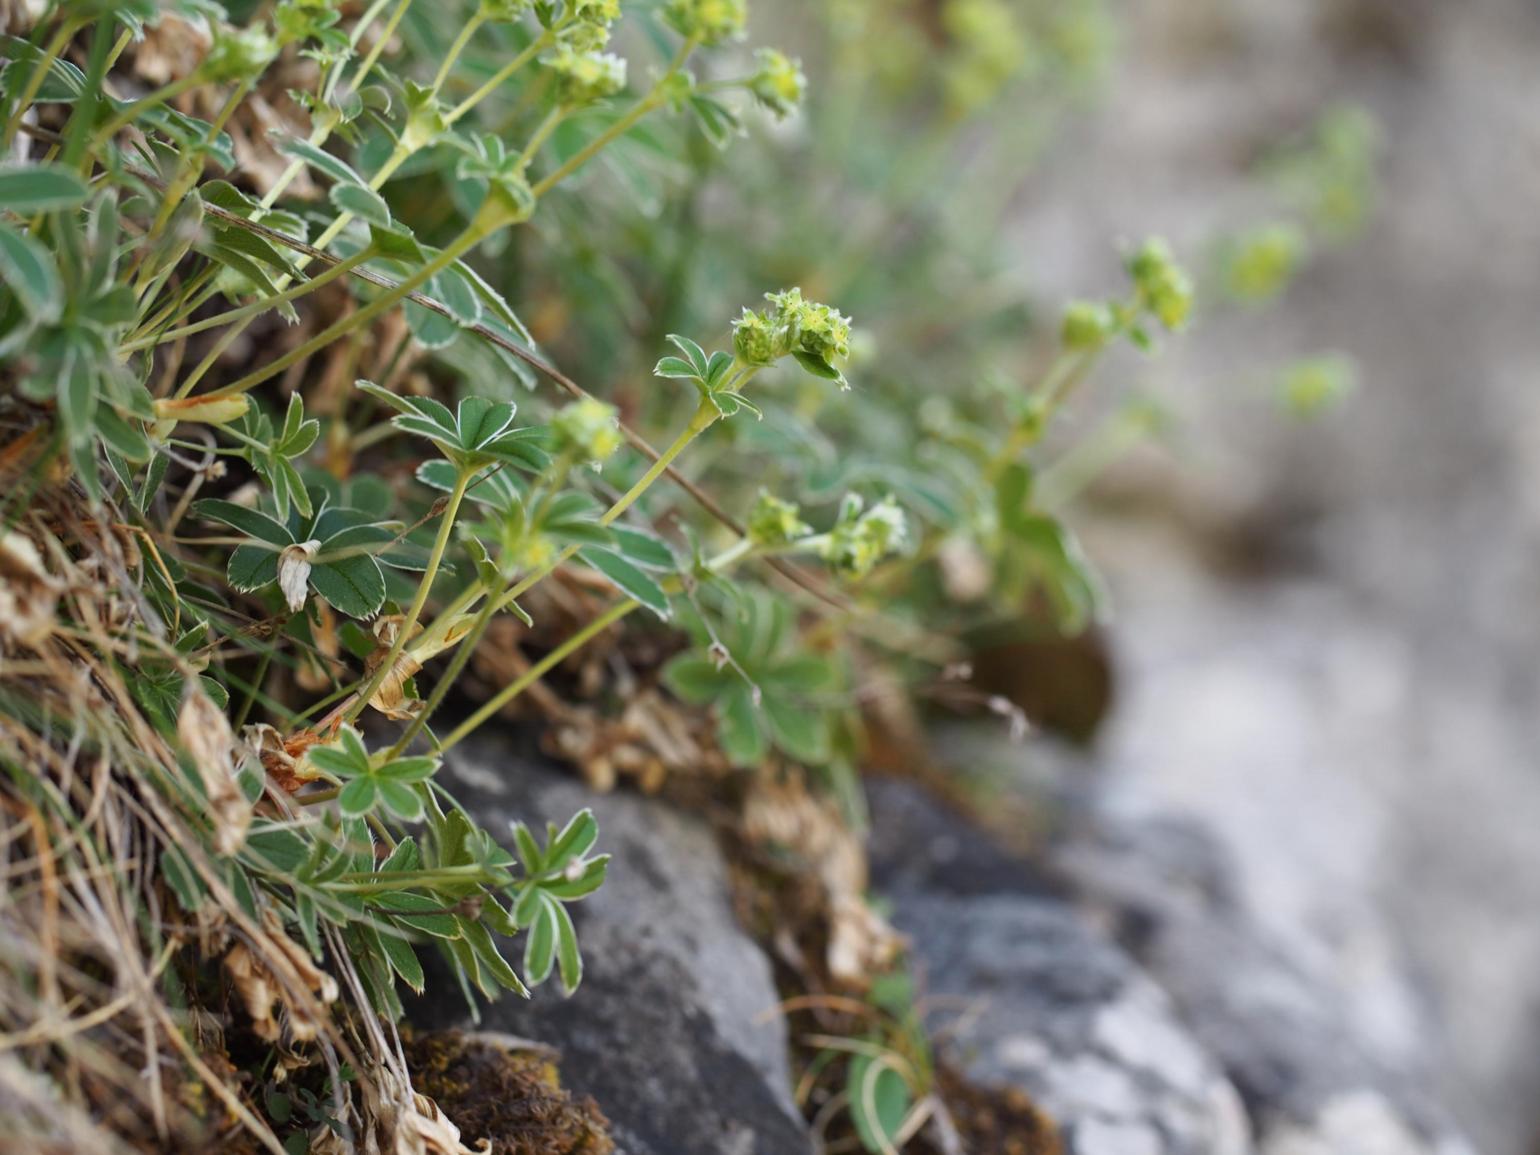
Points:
[(1116, 980)]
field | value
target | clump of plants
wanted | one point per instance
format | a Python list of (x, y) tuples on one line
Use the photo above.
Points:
[(280, 452)]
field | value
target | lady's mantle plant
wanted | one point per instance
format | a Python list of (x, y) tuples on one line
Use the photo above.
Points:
[(269, 483)]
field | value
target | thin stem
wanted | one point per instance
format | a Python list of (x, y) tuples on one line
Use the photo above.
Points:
[(532, 675), (547, 126), (466, 241), (419, 600), (500, 77), (458, 47), (261, 306), (35, 78), (463, 653), (162, 94), (625, 124), (368, 62), (705, 414)]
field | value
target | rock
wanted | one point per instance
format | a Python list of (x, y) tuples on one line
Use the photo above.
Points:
[(1278, 1025), (672, 1031), (1037, 1000), (1125, 982)]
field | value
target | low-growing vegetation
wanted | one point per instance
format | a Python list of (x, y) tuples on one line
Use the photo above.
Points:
[(335, 343)]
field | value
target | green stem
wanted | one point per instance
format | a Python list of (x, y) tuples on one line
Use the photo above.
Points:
[(419, 600), (532, 675), (625, 124), (341, 268), (500, 77), (463, 652), (339, 329), (162, 94), (546, 127), (705, 415), (368, 63), (458, 47), (35, 78)]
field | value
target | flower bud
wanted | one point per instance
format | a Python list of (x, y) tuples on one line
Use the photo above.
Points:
[(708, 21), (1087, 325), (294, 573), (238, 53), (587, 427), (209, 409), (824, 332), (779, 84), (785, 313), (775, 522), (755, 340), (860, 540), (585, 77), (1164, 287)]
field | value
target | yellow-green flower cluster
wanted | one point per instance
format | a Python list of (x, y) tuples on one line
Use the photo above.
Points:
[(1260, 264), (791, 325), (756, 340), (708, 21), (779, 84), (504, 11), (859, 540), (1164, 288), (583, 78), (589, 30), (775, 522), (1087, 324), (588, 428)]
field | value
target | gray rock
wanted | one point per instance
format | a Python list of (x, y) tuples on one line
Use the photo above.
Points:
[(1043, 1004), (1037, 999), (1282, 1031), (669, 1031), (1233, 1018)]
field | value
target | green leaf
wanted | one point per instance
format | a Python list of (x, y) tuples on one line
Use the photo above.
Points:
[(738, 730), (251, 522), (400, 799), (529, 849), (28, 268), (320, 160), (77, 400), (402, 957), (487, 954), (540, 946), (414, 769), (39, 188), (675, 367), (647, 550), (182, 878), (569, 959), (358, 797), (251, 567), (575, 840), (817, 366), (630, 580), (879, 1102), (363, 202), (354, 585), (696, 355), (594, 871), (695, 679), (432, 330), (801, 732)]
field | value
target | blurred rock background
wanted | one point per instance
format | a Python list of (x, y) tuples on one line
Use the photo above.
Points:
[(1325, 633)]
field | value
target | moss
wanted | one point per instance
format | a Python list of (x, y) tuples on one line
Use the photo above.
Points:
[(514, 1099)]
